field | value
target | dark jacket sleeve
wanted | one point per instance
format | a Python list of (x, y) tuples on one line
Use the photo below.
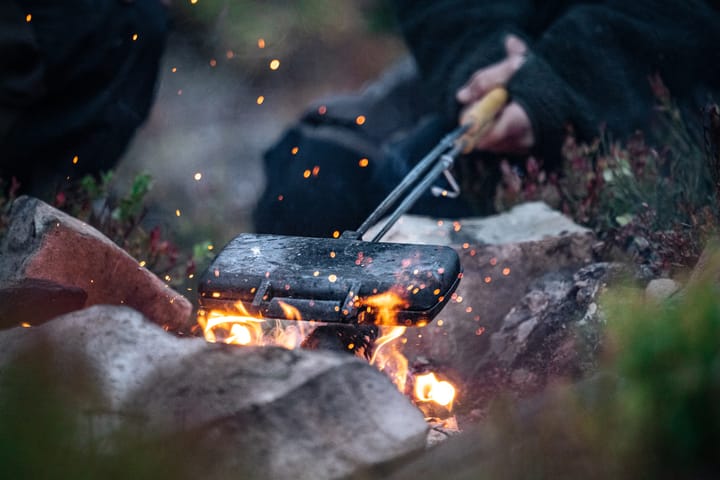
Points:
[(592, 67), (589, 62), (20, 63), (450, 39)]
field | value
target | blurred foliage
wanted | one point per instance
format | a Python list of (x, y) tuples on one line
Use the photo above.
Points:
[(668, 358), (651, 411), (242, 22), (120, 217), (287, 28), (54, 426), (657, 204)]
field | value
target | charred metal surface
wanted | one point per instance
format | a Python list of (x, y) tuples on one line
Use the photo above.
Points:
[(353, 339), (327, 279)]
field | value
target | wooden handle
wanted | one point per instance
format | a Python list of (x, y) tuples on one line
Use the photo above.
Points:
[(480, 116)]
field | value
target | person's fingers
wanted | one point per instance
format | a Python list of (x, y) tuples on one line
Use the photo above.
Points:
[(511, 132), (515, 46), (488, 78), (496, 74)]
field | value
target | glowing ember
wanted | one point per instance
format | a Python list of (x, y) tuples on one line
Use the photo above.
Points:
[(429, 389), (239, 334)]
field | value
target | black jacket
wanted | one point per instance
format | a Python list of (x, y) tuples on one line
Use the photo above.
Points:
[(76, 79), (589, 64)]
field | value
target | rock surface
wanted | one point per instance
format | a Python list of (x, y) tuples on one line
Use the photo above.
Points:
[(528, 222), (43, 243), (521, 295), (262, 412), (660, 289), (35, 301)]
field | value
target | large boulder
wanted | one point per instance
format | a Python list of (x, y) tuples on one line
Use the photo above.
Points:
[(522, 293), (253, 412)]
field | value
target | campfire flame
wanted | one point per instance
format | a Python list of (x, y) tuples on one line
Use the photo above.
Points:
[(429, 389), (389, 358), (239, 327)]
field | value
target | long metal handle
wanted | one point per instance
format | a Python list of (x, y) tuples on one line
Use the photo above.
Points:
[(410, 179), (446, 161), (474, 123)]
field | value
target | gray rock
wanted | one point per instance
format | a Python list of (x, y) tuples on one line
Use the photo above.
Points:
[(496, 280), (264, 412), (660, 289), (528, 222), (528, 280), (543, 323)]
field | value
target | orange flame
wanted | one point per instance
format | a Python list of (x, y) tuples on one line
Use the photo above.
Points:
[(389, 358), (241, 328), (429, 389)]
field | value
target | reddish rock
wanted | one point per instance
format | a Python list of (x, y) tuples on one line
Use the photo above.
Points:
[(32, 301), (43, 243)]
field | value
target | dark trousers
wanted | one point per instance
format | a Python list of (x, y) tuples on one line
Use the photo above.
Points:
[(95, 65), (331, 169)]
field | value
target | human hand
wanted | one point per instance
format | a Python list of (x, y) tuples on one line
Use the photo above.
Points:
[(511, 132)]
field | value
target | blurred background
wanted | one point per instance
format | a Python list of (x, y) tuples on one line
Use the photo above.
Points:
[(234, 75)]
